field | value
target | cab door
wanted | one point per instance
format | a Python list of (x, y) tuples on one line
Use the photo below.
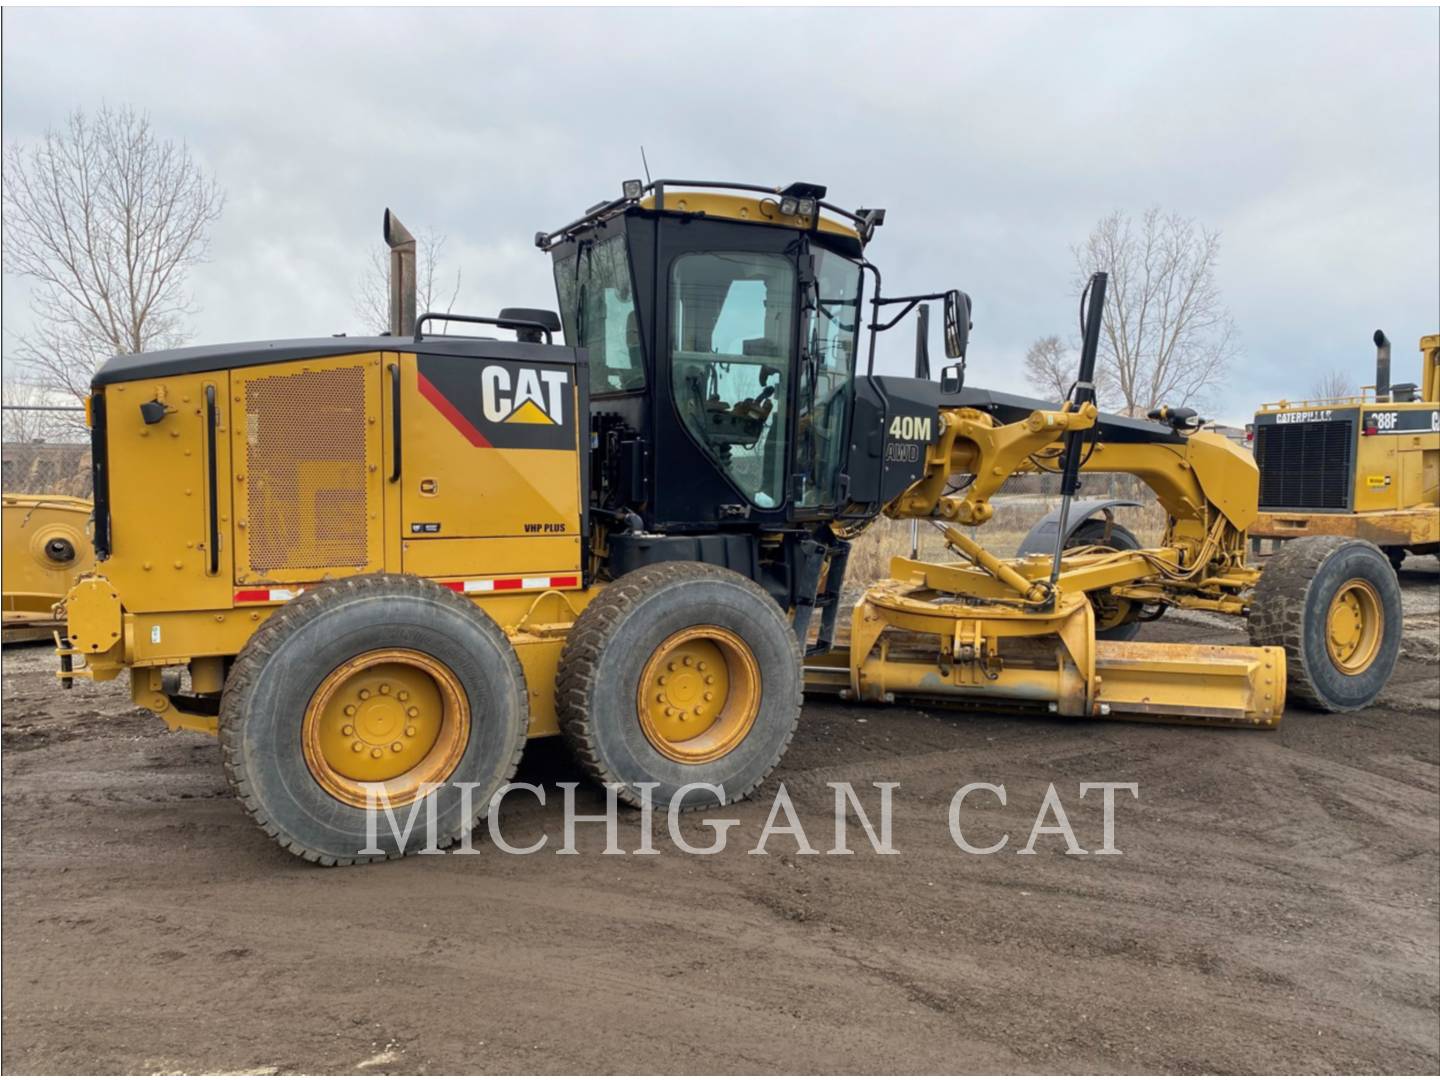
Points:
[(825, 382)]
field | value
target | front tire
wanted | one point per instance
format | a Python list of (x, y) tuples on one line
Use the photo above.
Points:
[(376, 679), (680, 673), (1334, 605)]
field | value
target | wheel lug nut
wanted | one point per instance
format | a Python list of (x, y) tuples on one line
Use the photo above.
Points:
[(669, 712), (701, 666), (397, 746), (364, 695), (662, 680), (709, 696), (348, 729), (689, 661), (403, 695), (660, 698), (376, 752), (357, 746), (409, 732), (412, 711), (709, 680), (349, 710), (671, 666), (384, 687)]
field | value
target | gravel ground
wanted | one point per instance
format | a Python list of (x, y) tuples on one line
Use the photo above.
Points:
[(1275, 908)]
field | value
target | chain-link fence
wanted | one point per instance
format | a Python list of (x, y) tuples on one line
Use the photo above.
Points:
[(45, 452)]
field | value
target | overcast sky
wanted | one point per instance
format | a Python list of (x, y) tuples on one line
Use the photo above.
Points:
[(995, 139)]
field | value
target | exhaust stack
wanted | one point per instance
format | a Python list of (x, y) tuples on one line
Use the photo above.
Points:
[(402, 276), (1382, 366)]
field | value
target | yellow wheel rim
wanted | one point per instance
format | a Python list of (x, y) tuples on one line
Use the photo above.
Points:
[(1110, 610), (699, 694), (394, 717), (1354, 626)]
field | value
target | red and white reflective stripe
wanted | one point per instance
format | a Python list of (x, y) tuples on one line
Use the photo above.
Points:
[(478, 585), (267, 596), (515, 584)]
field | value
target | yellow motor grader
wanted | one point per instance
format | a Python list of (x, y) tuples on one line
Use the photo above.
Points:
[(375, 566)]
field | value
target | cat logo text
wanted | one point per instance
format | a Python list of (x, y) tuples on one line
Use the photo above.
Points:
[(502, 404)]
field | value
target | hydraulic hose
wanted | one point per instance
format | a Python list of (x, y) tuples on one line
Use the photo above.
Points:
[(1083, 394)]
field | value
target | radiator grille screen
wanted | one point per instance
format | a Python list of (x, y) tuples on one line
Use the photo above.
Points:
[(307, 488), (1305, 466)]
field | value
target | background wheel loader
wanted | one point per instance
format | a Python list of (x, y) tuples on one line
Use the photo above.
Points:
[(1366, 466), (377, 565)]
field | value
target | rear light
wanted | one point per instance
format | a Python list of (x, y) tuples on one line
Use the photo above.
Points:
[(1370, 429)]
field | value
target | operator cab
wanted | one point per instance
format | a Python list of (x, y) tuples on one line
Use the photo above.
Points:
[(730, 423), (721, 328)]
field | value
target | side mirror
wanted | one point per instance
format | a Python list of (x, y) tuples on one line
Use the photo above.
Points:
[(957, 323), (952, 378)]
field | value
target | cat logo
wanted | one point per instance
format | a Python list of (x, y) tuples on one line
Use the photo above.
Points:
[(538, 396), (502, 404)]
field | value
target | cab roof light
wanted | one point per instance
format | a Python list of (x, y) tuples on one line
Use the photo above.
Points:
[(802, 190)]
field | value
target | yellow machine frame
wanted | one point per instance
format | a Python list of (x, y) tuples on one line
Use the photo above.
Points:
[(181, 609), (177, 612)]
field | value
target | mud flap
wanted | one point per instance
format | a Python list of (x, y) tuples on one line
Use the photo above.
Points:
[(1040, 540)]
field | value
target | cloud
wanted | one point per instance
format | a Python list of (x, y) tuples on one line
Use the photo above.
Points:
[(995, 138)]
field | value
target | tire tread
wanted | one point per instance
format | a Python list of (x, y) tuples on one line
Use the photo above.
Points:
[(583, 656), (268, 639), (1277, 610)]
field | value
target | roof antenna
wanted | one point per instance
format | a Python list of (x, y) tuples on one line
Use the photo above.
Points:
[(645, 163)]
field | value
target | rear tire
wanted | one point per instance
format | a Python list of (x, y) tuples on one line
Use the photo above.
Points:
[(1333, 604), (1116, 619), (376, 678), (636, 671)]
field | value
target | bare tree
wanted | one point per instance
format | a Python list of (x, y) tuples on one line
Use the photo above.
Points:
[(106, 219), (372, 290), (1167, 337), (1048, 368), (1335, 383), (1052, 365)]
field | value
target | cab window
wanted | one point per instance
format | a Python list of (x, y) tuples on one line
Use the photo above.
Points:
[(597, 306), (731, 343)]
